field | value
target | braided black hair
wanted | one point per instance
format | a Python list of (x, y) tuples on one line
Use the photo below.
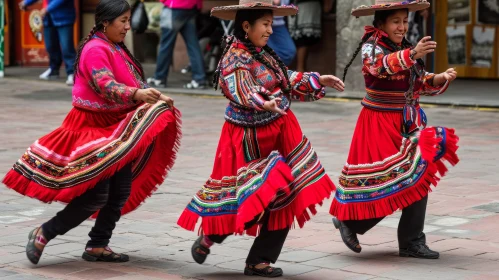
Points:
[(228, 42), (282, 66), (259, 57), (251, 16), (355, 54), (135, 60), (107, 11), (379, 18), (83, 42)]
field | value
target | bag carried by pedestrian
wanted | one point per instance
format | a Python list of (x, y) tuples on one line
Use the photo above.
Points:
[(139, 19)]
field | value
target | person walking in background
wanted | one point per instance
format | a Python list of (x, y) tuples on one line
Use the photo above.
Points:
[(179, 16), (305, 28), (58, 20), (280, 40)]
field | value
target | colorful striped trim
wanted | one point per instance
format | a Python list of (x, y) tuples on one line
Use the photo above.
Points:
[(409, 179), (368, 182), (306, 86), (385, 100), (52, 175), (306, 169), (250, 144), (223, 197)]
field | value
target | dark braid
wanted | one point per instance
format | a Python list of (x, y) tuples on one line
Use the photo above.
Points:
[(259, 57), (228, 42), (364, 39), (80, 49), (137, 62), (283, 67)]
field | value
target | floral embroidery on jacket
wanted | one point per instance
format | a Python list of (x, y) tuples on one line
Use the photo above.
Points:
[(103, 82)]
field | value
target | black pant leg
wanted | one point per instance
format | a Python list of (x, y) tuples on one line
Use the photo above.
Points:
[(77, 211), (119, 191), (218, 238), (362, 226), (411, 225), (267, 245)]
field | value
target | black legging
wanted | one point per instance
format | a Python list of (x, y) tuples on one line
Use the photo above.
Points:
[(108, 196), (267, 245), (411, 225)]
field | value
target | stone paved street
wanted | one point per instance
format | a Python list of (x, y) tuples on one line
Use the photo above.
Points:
[(462, 216)]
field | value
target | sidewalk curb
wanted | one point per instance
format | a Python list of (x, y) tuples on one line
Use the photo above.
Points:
[(330, 96), (339, 98)]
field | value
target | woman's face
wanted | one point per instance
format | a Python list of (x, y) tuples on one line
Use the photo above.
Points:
[(260, 31), (396, 26), (117, 29)]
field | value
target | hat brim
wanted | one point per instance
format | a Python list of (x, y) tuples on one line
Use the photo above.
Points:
[(370, 10), (229, 12)]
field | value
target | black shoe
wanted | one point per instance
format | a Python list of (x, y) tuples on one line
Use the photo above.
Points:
[(110, 257), (199, 252), (349, 238), (268, 271), (419, 251)]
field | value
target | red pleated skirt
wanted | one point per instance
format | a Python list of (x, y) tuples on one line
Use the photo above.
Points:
[(271, 167), (386, 170), (91, 146)]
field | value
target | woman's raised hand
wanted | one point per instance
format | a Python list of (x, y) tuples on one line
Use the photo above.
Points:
[(424, 47), (332, 81), (449, 75)]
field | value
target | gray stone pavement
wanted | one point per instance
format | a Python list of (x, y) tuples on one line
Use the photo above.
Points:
[(462, 217)]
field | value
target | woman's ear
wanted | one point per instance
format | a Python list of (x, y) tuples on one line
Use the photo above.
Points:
[(246, 26)]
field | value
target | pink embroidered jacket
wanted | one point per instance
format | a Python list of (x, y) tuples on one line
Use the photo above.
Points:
[(183, 4), (107, 77)]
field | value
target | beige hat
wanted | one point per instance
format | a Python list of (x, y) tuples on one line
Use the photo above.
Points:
[(229, 12), (412, 5)]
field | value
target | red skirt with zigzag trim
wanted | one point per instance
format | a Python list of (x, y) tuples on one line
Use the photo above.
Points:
[(386, 171)]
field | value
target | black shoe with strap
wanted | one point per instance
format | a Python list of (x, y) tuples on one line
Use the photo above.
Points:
[(199, 252), (349, 238), (268, 271), (421, 251), (106, 256)]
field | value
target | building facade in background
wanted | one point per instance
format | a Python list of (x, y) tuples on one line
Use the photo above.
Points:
[(466, 30)]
